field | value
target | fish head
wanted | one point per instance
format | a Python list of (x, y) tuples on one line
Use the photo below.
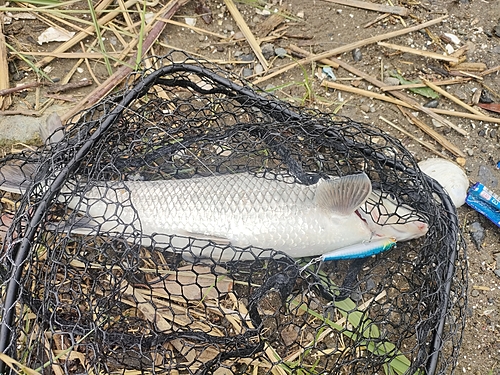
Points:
[(385, 218)]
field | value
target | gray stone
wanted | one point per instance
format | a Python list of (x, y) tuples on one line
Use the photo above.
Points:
[(477, 234), (432, 103), (19, 128), (247, 72), (248, 57), (496, 30), (280, 52), (267, 50), (391, 81), (357, 55), (487, 177)]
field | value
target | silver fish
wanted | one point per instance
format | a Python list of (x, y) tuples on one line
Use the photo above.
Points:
[(244, 210)]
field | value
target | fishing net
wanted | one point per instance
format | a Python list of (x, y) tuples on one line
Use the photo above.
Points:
[(122, 301)]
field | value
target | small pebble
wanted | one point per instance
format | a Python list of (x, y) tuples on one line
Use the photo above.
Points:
[(258, 69), (476, 231), (391, 81), (247, 72), (365, 108), (432, 103), (238, 35), (487, 177), (238, 53), (12, 67), (357, 55), (17, 76), (267, 50), (474, 293), (481, 133), (436, 123), (356, 296), (493, 133), (220, 49), (497, 271), (370, 284), (469, 151), (496, 30), (248, 57), (280, 52), (485, 97)]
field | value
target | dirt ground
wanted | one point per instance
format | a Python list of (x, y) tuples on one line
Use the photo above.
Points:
[(319, 26)]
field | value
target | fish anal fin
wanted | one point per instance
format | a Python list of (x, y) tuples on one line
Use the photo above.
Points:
[(343, 195)]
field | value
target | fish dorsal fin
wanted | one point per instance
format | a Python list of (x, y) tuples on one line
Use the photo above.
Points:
[(343, 195)]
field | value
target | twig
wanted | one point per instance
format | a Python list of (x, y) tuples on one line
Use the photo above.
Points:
[(84, 34), (69, 55), (12, 90), (366, 93), (423, 143), (54, 89), (303, 53), (56, 25), (24, 112), (401, 96), (350, 47), (414, 51), (246, 32), (371, 6), (453, 98), (416, 85), (5, 102), (64, 98), (125, 70), (379, 18), (432, 133), (489, 71), (195, 29), (471, 116), (470, 67)]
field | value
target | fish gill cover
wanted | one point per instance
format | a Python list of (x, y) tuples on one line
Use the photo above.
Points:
[(88, 287)]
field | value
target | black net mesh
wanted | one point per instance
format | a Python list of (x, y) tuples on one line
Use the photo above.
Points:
[(91, 285)]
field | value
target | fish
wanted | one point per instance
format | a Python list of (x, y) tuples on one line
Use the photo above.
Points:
[(239, 210)]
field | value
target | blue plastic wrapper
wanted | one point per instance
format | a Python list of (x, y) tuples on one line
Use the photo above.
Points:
[(485, 202)]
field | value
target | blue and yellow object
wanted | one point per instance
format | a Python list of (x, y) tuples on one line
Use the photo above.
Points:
[(485, 202), (360, 250)]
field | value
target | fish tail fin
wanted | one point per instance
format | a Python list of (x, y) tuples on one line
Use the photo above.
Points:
[(17, 178), (52, 131)]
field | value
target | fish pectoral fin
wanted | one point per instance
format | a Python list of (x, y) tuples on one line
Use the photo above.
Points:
[(343, 195), (202, 236)]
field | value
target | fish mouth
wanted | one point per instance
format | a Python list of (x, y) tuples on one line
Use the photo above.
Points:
[(360, 216)]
